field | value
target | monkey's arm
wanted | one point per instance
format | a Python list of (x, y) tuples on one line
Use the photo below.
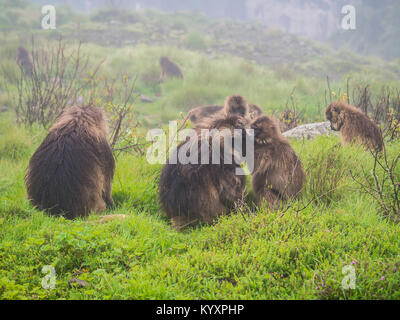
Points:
[(231, 188), (162, 76)]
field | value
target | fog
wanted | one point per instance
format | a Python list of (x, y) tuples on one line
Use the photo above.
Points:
[(377, 22)]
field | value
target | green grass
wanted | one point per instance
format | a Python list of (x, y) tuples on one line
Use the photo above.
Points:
[(264, 255)]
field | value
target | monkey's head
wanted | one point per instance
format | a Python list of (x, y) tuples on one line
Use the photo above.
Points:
[(235, 124), (92, 119), (335, 113), (21, 50), (164, 60), (236, 105), (230, 122), (266, 129), (23, 55), (193, 118), (231, 128)]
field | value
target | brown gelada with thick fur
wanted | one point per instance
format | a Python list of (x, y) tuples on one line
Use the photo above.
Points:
[(354, 125), (25, 60), (71, 172), (278, 173), (192, 193), (199, 114), (169, 69)]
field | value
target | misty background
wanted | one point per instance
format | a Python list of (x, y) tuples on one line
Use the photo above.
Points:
[(378, 25)]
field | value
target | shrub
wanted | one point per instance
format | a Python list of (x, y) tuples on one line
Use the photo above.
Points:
[(195, 41), (382, 183), (58, 78), (15, 144), (325, 169)]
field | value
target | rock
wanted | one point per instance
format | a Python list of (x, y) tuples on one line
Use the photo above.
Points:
[(146, 99), (3, 109), (310, 131)]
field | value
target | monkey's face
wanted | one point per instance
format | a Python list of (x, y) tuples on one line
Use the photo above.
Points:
[(193, 118), (239, 109), (335, 115), (265, 130), (236, 105), (165, 62), (242, 124)]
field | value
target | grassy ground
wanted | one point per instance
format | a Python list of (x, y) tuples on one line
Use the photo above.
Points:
[(264, 255)]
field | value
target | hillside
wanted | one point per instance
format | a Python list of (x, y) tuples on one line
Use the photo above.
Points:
[(265, 65), (251, 41), (377, 26), (377, 21)]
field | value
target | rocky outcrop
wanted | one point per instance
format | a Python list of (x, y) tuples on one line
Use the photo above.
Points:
[(146, 99), (310, 131)]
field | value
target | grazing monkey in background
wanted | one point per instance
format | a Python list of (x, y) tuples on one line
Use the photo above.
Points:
[(71, 172), (193, 193), (25, 60), (169, 69), (354, 126), (278, 173)]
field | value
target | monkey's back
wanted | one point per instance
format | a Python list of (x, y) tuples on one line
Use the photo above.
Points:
[(278, 167), (200, 113), (191, 193), (359, 127), (170, 68), (66, 173), (203, 112)]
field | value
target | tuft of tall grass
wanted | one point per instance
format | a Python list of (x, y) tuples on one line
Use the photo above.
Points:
[(15, 142)]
